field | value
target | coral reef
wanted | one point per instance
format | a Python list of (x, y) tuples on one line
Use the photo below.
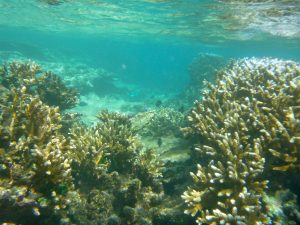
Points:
[(53, 92), (120, 140), (54, 169), (35, 170), (110, 170), (246, 130), (48, 86), (88, 156), (283, 207), (80, 75), (204, 67), (159, 122), (87, 175)]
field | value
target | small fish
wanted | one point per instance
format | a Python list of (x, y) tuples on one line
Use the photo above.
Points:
[(36, 211), (181, 109), (159, 142), (158, 103), (124, 66)]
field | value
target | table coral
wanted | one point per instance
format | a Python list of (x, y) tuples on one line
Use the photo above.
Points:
[(246, 124)]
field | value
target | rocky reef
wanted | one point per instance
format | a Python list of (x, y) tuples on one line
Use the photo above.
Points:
[(246, 137)]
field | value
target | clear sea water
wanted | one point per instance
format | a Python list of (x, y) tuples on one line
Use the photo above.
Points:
[(133, 56), (148, 44)]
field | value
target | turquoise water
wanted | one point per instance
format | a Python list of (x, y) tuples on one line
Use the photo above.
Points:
[(148, 43), (146, 59)]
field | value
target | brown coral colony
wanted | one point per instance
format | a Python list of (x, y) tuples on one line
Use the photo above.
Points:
[(247, 127), (243, 132)]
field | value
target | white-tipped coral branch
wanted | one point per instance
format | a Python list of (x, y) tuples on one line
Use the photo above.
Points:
[(251, 115)]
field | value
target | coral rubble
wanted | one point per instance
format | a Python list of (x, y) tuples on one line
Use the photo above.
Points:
[(246, 129)]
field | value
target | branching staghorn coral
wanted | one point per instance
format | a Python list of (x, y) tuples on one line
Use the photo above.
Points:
[(230, 185), (90, 161), (121, 142), (35, 171), (123, 184), (247, 124), (148, 168), (48, 86), (92, 175), (53, 92)]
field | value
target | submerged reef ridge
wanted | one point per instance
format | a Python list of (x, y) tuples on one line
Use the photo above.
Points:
[(247, 129)]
